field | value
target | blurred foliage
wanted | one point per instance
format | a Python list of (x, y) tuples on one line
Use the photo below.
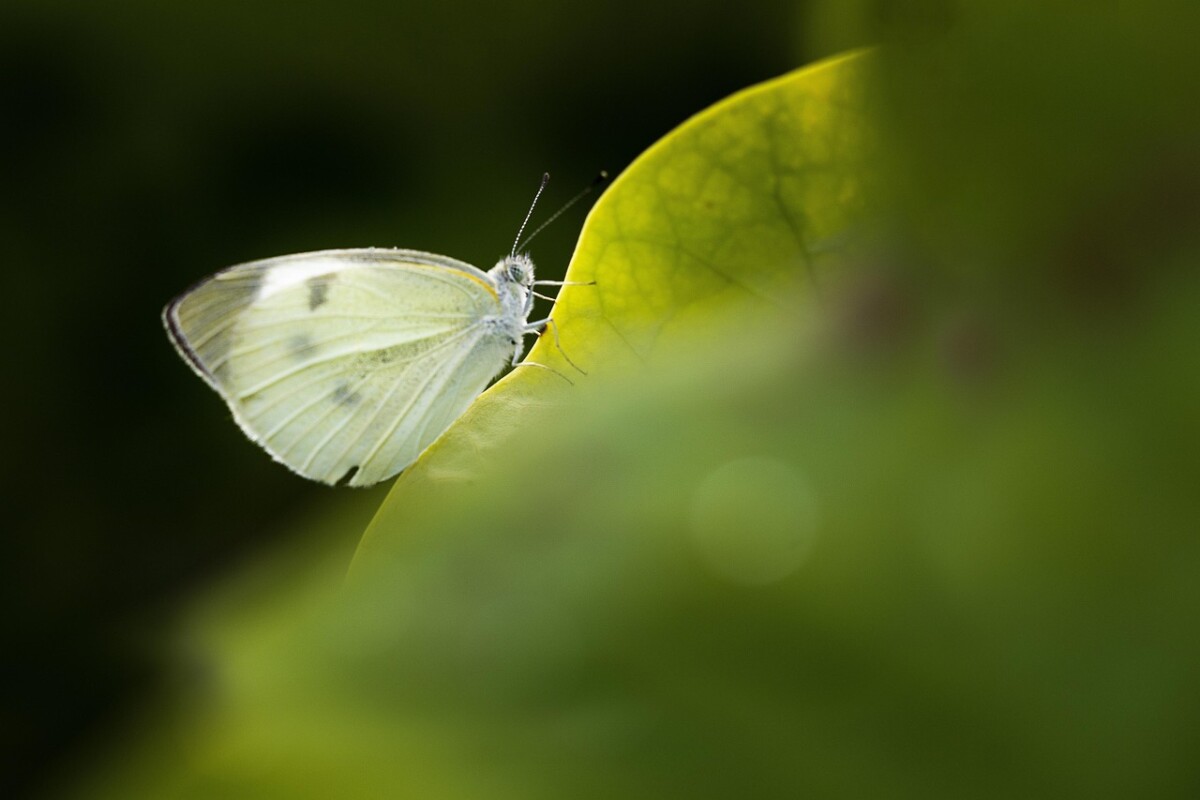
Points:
[(925, 526)]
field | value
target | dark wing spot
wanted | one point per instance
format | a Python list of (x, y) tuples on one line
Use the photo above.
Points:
[(386, 356), (344, 397), (300, 346), (349, 476), (318, 290)]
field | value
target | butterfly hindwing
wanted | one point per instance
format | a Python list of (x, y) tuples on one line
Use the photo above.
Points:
[(343, 364)]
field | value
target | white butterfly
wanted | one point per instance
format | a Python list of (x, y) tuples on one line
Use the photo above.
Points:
[(346, 364)]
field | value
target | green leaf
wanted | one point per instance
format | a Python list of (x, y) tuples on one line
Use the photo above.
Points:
[(739, 208)]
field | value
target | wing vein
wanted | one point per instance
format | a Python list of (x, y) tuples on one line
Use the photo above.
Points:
[(397, 418), (292, 417), (382, 440)]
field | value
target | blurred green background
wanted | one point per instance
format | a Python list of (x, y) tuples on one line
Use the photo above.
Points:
[(999, 420)]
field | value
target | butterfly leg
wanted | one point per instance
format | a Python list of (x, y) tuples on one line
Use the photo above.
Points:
[(530, 327), (557, 283), (548, 369), (564, 283), (548, 322)]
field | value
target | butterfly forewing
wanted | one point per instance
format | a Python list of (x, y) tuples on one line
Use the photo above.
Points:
[(346, 364)]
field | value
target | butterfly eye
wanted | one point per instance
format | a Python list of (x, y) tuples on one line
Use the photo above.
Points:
[(516, 273)]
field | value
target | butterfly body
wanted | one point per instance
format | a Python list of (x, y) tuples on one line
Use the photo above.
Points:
[(346, 364)]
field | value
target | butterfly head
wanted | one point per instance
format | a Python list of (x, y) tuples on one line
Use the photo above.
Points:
[(517, 270)]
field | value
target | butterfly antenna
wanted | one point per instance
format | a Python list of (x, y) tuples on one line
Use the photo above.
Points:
[(599, 179), (529, 213)]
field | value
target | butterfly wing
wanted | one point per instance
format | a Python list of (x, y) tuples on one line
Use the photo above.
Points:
[(343, 364)]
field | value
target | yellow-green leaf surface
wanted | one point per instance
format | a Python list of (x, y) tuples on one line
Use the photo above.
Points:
[(740, 207)]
